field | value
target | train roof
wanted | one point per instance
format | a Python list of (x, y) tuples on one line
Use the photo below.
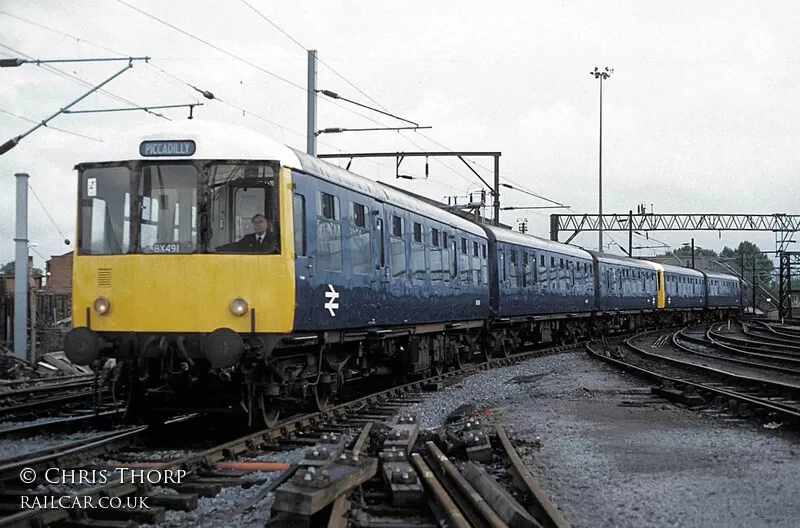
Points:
[(714, 275), (225, 141), (351, 180), (515, 237), (678, 270), (610, 258), (212, 139)]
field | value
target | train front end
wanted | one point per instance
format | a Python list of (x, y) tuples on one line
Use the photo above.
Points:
[(170, 276)]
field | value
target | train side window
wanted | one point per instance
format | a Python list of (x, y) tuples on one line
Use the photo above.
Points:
[(299, 206), (464, 268), (447, 272), (525, 269), (329, 233), (484, 267), (361, 243), (553, 273), (435, 256), (436, 264), (476, 264), (417, 232), (418, 271), (512, 268), (398, 248)]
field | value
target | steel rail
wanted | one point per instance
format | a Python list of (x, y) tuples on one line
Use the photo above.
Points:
[(66, 454), (746, 362), (44, 517), (793, 413), (545, 511), (440, 496)]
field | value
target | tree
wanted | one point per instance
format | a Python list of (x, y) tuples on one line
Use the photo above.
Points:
[(8, 269), (744, 257)]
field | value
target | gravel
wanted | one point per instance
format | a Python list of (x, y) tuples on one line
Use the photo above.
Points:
[(610, 454), (235, 506), (16, 447)]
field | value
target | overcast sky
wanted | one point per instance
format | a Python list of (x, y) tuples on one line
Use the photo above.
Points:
[(701, 114)]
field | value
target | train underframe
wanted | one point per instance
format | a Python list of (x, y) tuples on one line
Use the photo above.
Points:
[(264, 377)]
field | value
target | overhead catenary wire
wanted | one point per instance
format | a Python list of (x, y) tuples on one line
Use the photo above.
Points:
[(51, 127), (172, 78), (359, 90), (62, 73), (245, 61), (254, 114), (47, 212)]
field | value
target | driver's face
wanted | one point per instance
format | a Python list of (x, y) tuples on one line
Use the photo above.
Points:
[(260, 225)]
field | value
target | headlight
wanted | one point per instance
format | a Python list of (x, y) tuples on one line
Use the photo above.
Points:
[(239, 307), (101, 305)]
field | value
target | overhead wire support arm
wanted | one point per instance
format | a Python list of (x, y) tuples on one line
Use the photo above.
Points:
[(339, 130), (15, 62), (536, 207), (334, 95), (400, 155), (11, 143), (145, 108)]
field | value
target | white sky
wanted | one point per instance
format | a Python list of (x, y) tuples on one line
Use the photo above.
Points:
[(700, 116)]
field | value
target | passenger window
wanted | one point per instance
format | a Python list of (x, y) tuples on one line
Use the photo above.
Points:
[(525, 270), (398, 248), (329, 233), (484, 267), (361, 246), (464, 267), (512, 267), (476, 264), (299, 206)]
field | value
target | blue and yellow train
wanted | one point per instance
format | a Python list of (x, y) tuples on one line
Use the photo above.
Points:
[(353, 278)]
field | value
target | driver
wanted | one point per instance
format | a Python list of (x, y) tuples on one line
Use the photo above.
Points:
[(261, 240)]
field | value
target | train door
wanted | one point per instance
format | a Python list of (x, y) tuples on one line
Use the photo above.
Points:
[(382, 277), (661, 287), (304, 264)]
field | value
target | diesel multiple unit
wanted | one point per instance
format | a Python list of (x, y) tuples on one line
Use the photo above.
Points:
[(360, 279)]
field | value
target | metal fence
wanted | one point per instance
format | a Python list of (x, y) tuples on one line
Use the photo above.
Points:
[(53, 318)]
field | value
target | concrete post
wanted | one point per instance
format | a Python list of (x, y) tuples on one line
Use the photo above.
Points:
[(21, 270), (311, 130)]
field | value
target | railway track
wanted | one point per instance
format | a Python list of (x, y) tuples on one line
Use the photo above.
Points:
[(49, 397), (697, 384), (710, 344), (210, 469)]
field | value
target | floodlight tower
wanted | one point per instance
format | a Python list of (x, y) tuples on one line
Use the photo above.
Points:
[(598, 74)]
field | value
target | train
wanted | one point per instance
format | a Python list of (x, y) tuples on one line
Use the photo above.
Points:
[(226, 272)]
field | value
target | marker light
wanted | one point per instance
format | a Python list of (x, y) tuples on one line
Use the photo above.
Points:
[(239, 307), (101, 305)]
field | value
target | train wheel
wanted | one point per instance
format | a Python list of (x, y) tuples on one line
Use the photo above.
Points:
[(269, 414), (505, 348), (321, 398)]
